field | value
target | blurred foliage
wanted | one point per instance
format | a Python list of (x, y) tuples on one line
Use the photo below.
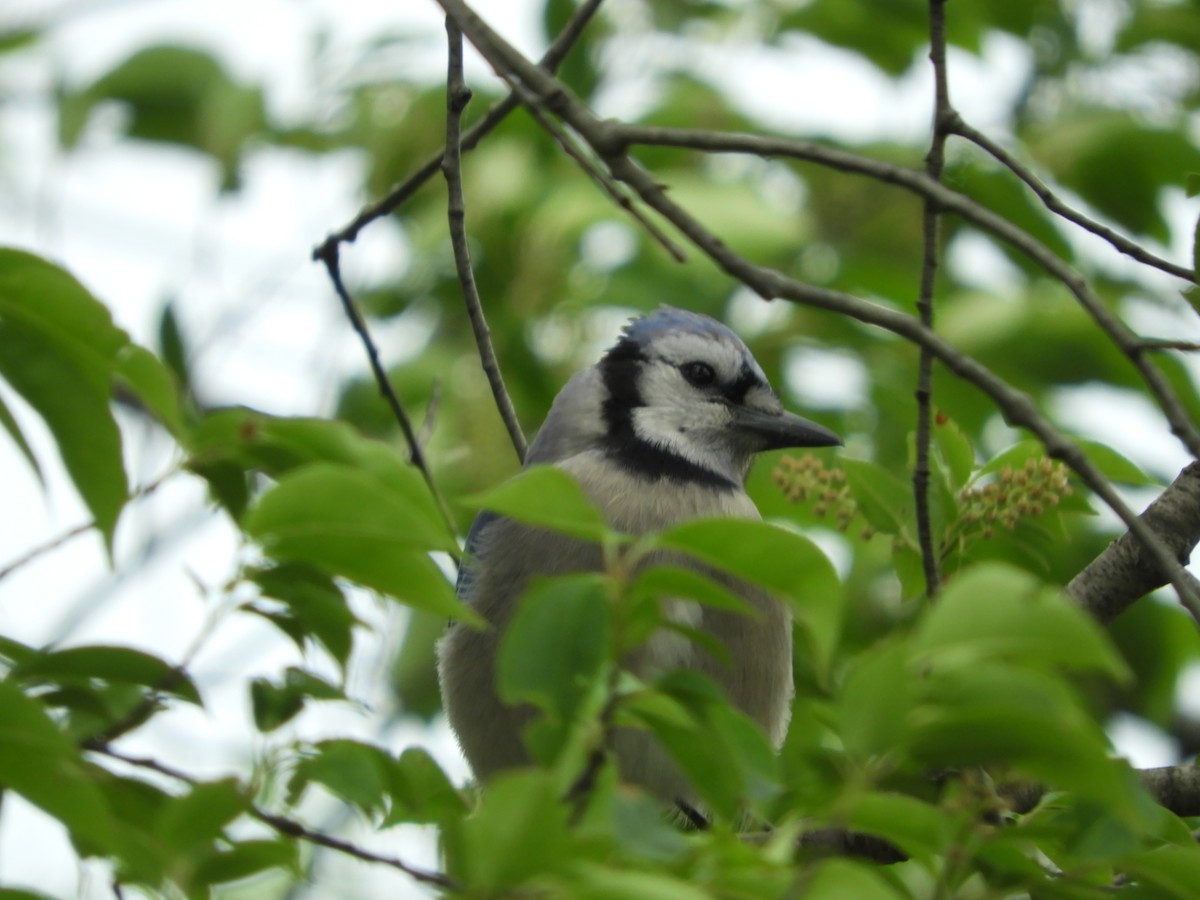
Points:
[(1001, 679)]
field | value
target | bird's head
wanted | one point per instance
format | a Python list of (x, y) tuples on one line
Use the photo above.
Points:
[(683, 398)]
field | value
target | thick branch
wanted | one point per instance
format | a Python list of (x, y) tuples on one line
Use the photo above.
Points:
[(1124, 571), (609, 139)]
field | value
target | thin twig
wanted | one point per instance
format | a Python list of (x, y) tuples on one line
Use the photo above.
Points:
[(608, 140), (496, 114), (151, 703), (290, 827), (1159, 344), (931, 231), (330, 257), (425, 433), (42, 549), (457, 97), (601, 178), (55, 542), (956, 125)]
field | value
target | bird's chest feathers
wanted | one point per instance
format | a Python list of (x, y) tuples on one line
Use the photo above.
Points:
[(636, 505)]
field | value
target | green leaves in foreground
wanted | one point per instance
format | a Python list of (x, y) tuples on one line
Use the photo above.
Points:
[(61, 351), (375, 529)]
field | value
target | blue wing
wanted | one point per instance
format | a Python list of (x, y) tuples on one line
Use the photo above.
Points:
[(466, 568)]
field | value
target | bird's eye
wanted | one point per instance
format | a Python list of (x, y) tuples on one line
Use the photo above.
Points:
[(698, 374)]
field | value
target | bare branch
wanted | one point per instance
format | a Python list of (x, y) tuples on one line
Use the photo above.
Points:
[(1122, 244), (55, 542), (1159, 344), (931, 231), (290, 827), (1116, 578), (457, 97), (951, 201), (609, 139), (601, 178), (330, 256), (496, 114)]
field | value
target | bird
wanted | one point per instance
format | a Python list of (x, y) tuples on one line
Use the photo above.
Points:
[(661, 430)]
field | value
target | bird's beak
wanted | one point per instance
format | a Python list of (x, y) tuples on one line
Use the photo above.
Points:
[(775, 430)]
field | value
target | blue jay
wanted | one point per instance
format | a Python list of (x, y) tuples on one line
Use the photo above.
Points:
[(663, 429)]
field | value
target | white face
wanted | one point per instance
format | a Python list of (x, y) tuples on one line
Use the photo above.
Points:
[(692, 418)]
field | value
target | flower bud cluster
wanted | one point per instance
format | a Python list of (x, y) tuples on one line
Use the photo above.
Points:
[(1027, 491), (805, 479)]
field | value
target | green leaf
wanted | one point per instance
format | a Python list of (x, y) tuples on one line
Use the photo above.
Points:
[(119, 665), (724, 755), (154, 384), (39, 762), (922, 830), (990, 713), (58, 350), (1196, 247), (518, 832), (556, 642), (1173, 870), (313, 607), (884, 500), (356, 772), (277, 704), (178, 95), (674, 581), (956, 450), (838, 879), (420, 791), (592, 881), (548, 497), (352, 523), (772, 557), (998, 612), (909, 566), (875, 702), (1115, 467), (199, 817), (246, 858), (14, 431)]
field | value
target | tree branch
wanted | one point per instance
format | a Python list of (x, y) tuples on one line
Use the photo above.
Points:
[(1052, 202), (458, 95), (609, 140), (1176, 788), (1116, 578), (290, 827), (931, 231), (330, 257), (496, 114), (919, 183)]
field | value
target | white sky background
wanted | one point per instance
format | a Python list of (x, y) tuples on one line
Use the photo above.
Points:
[(139, 223)]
